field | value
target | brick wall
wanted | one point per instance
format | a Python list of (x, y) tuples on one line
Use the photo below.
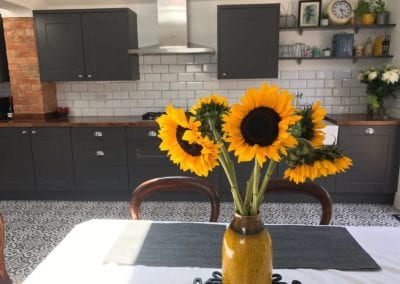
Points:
[(30, 95)]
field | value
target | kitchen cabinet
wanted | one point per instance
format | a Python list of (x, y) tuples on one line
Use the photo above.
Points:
[(100, 158), (77, 45), (4, 77), (376, 156), (248, 39), (147, 161), (34, 158)]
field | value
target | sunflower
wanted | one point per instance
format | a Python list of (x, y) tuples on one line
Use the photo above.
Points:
[(210, 108), (186, 147), (311, 125), (258, 126), (325, 167)]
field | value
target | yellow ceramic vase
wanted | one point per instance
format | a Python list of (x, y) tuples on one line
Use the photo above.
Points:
[(246, 252), (367, 19)]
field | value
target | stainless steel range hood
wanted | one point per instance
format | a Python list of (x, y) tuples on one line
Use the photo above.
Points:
[(173, 31)]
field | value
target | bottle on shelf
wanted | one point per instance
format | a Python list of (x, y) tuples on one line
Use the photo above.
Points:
[(10, 112), (368, 47)]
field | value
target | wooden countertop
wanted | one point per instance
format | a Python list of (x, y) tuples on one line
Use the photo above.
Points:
[(84, 121), (360, 119), (121, 121)]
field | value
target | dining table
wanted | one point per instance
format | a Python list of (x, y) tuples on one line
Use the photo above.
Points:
[(101, 251)]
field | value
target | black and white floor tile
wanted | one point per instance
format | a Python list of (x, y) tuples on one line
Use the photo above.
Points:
[(34, 228)]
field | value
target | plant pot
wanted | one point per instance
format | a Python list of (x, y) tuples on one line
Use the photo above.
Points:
[(368, 19), (383, 19), (247, 252)]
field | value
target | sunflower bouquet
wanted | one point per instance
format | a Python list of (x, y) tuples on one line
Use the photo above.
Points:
[(264, 128)]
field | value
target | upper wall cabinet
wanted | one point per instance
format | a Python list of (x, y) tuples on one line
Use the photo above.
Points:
[(3, 56), (248, 40), (78, 45)]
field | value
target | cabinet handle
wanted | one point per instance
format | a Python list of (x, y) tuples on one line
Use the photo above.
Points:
[(369, 131), (98, 134), (89, 76), (33, 132), (23, 132), (152, 133), (80, 76), (99, 153)]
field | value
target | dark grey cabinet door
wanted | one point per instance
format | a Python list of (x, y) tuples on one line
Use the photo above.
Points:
[(105, 41), (16, 167), (375, 152), (4, 77), (59, 39), (248, 41), (52, 156)]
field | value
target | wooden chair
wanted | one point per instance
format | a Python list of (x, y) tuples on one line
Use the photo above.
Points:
[(4, 278), (175, 184), (309, 188)]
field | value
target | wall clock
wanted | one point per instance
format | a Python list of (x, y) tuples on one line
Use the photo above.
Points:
[(340, 11)]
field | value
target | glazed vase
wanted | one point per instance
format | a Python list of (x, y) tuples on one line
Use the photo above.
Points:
[(368, 19), (247, 252)]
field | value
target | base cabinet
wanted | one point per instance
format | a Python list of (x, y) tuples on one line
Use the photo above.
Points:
[(36, 158), (16, 167), (375, 153)]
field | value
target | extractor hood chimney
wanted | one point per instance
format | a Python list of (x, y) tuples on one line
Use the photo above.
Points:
[(173, 31)]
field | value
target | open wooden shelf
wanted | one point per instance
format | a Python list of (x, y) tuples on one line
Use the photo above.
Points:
[(354, 58), (356, 28)]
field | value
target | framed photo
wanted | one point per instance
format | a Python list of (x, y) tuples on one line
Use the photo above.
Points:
[(309, 13)]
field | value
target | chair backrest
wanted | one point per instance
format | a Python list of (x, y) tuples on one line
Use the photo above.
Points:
[(4, 278), (308, 188), (175, 184)]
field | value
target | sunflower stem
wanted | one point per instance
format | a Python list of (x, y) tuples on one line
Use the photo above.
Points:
[(256, 181), (229, 169), (264, 184)]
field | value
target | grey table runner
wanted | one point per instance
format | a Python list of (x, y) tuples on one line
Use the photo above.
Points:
[(199, 245)]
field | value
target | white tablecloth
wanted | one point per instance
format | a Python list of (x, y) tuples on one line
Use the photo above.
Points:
[(78, 259)]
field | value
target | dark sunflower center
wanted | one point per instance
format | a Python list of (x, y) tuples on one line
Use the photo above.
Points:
[(192, 149), (260, 126)]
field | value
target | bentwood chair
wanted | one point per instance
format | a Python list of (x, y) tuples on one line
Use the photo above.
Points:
[(175, 184), (309, 188), (4, 278)]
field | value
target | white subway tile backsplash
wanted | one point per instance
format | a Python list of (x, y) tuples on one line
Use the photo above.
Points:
[(177, 68), (152, 77), (337, 83), (137, 95), (297, 84), (160, 69), (288, 74), (121, 95), (193, 68), (169, 59), (202, 58), (161, 86), (169, 77), (185, 77), (185, 59), (194, 85), (315, 83), (182, 79), (151, 59), (210, 68), (342, 74), (352, 83), (153, 95), (324, 74), (178, 86), (306, 74)]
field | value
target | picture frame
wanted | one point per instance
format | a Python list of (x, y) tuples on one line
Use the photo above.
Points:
[(309, 13)]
